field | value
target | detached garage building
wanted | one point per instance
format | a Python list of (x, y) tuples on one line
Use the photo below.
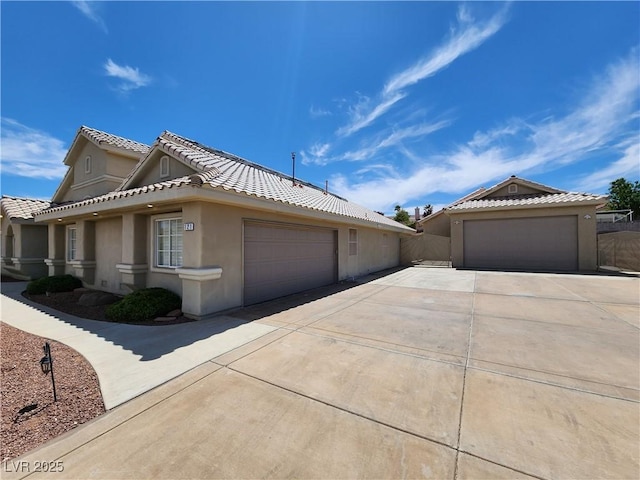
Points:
[(523, 225)]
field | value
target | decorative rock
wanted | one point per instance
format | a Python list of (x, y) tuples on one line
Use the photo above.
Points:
[(164, 319), (92, 299), (174, 313)]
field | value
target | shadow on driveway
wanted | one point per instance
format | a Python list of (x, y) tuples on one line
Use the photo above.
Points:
[(153, 342)]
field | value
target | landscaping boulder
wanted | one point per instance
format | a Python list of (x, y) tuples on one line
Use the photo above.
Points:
[(93, 299)]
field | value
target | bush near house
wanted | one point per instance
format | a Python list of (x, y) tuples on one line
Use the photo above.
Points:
[(53, 284), (143, 305)]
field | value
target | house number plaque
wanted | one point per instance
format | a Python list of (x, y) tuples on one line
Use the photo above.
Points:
[(188, 227)]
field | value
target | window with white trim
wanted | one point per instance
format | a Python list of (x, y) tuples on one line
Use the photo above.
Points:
[(353, 241), (87, 164), (71, 243), (164, 167), (168, 242)]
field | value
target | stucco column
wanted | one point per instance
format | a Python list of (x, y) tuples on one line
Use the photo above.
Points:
[(85, 263), (193, 236), (457, 245), (56, 259), (134, 266), (200, 281), (17, 243), (199, 290), (587, 241)]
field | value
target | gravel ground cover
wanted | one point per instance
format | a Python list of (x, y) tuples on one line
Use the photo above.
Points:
[(30, 417)]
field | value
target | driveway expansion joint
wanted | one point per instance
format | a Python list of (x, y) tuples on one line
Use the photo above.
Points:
[(342, 409), (464, 376)]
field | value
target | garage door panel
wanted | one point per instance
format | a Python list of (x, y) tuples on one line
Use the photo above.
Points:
[(284, 259), (538, 243)]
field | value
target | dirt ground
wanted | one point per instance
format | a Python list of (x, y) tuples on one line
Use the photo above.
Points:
[(30, 417)]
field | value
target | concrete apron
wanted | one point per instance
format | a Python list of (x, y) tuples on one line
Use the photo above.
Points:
[(129, 359), (419, 374)]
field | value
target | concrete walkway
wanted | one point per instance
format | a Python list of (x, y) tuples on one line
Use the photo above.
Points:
[(423, 373), (129, 359)]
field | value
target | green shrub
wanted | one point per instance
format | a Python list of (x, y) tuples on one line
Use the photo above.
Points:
[(56, 283), (144, 304)]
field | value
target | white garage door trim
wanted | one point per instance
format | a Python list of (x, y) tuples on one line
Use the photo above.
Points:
[(534, 243), (281, 258)]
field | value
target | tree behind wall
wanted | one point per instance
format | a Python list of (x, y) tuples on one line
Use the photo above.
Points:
[(624, 195), (402, 216)]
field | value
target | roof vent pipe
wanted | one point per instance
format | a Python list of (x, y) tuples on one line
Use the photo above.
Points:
[(326, 187), (293, 163)]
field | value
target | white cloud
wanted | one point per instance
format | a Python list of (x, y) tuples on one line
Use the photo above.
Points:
[(131, 77), (607, 109), (361, 118), (318, 152), (413, 131), (28, 152), (90, 10), (464, 15), (469, 37), (628, 166), (316, 112), (604, 122), (394, 138), (461, 42)]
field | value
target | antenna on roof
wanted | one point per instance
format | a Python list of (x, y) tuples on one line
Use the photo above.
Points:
[(293, 162)]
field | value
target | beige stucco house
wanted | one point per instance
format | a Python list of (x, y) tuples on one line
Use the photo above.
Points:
[(217, 229), (520, 224), (24, 243)]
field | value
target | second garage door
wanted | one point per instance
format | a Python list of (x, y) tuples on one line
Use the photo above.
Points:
[(280, 259), (537, 243)]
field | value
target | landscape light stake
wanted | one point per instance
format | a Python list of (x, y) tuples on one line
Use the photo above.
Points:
[(46, 364)]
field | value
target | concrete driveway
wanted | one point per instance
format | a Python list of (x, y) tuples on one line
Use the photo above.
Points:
[(425, 372)]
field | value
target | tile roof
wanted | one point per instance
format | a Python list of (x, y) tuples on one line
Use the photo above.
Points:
[(230, 172), (113, 140), (522, 181), (221, 170), (60, 207), (474, 194), (22, 208), (536, 199)]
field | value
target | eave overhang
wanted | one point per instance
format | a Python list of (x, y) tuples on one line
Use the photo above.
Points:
[(175, 196), (537, 206)]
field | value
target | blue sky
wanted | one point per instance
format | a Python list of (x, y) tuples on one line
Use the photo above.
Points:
[(391, 103)]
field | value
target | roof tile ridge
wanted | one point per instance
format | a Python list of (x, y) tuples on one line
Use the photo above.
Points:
[(91, 132), (191, 145), (13, 197), (120, 193), (235, 158)]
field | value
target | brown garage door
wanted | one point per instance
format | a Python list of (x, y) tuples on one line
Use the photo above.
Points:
[(539, 243), (280, 259)]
